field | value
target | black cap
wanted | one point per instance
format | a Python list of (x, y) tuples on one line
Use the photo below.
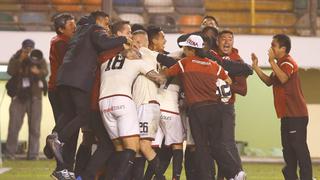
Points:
[(28, 43)]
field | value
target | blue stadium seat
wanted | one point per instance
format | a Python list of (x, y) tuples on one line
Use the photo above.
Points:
[(191, 10), (132, 18), (34, 21), (127, 2), (188, 3), (129, 9)]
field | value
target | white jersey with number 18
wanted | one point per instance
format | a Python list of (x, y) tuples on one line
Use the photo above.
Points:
[(118, 74)]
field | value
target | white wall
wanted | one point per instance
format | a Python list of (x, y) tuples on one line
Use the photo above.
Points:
[(304, 49)]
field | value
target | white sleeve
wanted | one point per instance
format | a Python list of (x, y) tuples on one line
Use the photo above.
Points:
[(144, 67), (148, 54)]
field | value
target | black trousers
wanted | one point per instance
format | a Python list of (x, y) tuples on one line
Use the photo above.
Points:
[(295, 148), (228, 135), (55, 104), (75, 113), (104, 149), (206, 126), (75, 105), (69, 149)]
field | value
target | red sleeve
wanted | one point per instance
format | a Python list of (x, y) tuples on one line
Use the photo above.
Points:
[(239, 85), (221, 73), (173, 70), (287, 68), (106, 55), (61, 49)]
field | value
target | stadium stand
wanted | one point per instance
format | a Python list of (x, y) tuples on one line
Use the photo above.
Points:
[(287, 16)]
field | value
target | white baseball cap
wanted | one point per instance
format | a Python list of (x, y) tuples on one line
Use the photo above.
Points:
[(193, 41)]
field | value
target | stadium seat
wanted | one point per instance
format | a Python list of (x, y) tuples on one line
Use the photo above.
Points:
[(158, 3), (188, 3), (68, 8), (91, 8), (32, 17), (7, 22), (34, 21), (10, 7), (132, 18), (65, 1), (190, 10), (166, 22), (9, 1), (36, 7), (154, 9), (129, 9), (190, 20), (35, 1), (92, 2), (4, 17), (127, 2)]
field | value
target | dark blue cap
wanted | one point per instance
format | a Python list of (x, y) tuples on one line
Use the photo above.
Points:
[(28, 43)]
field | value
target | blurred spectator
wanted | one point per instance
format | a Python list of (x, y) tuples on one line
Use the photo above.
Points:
[(29, 69)]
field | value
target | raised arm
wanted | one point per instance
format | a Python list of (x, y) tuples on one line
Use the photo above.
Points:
[(265, 78)]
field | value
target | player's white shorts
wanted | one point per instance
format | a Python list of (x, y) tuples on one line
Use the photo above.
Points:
[(119, 114), (157, 142), (187, 129), (149, 117), (172, 128)]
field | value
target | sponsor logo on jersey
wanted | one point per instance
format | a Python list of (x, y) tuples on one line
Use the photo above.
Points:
[(166, 118), (201, 62), (114, 108)]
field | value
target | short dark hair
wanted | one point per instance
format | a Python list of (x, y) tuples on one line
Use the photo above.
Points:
[(153, 31), (98, 14), (225, 32), (140, 31), (211, 17), (136, 27), (117, 26), (284, 41), (60, 21), (209, 28)]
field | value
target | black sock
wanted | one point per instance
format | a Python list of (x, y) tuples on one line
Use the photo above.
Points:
[(113, 164), (156, 166), (138, 169), (149, 171), (189, 164), (126, 164), (177, 163), (82, 158), (165, 155)]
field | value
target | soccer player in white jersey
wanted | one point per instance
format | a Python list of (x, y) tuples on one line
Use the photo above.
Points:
[(171, 124), (117, 108), (145, 96)]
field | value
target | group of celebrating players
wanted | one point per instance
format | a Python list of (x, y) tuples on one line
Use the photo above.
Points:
[(139, 103)]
